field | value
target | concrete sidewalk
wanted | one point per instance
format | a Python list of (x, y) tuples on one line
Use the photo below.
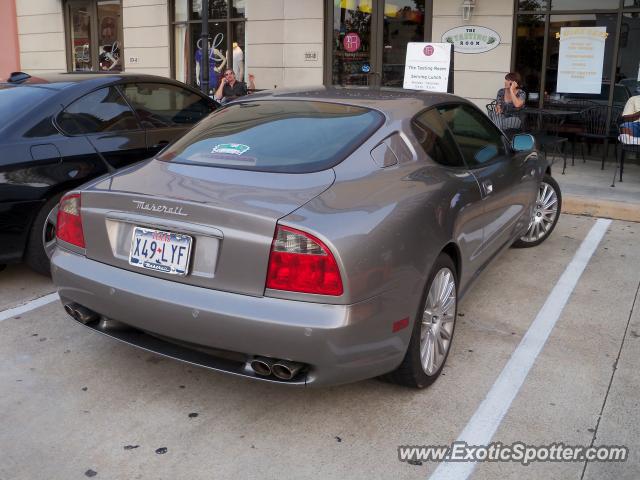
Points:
[(587, 190)]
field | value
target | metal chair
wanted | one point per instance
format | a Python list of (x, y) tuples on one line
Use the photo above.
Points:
[(509, 123), (627, 143), (545, 128), (600, 123), (574, 125)]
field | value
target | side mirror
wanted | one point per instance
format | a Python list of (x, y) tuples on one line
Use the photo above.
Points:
[(523, 142)]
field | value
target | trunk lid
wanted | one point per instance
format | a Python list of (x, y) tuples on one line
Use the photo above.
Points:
[(230, 214)]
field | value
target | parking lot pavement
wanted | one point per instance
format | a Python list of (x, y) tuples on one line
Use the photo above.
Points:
[(18, 285), (72, 400)]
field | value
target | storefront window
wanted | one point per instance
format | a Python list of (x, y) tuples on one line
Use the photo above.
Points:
[(554, 92), (368, 41), (80, 30), (628, 68), (217, 48), (529, 52), (226, 44), (351, 42), (532, 5), (403, 23), (109, 35), (584, 4), (577, 61), (95, 33)]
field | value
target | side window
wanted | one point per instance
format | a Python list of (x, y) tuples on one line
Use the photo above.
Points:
[(159, 105), (101, 111), (479, 140), (435, 138)]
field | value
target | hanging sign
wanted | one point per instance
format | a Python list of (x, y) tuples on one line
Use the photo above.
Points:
[(471, 39), (580, 59), (427, 66)]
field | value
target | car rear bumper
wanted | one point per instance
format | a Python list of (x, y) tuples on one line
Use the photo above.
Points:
[(340, 343)]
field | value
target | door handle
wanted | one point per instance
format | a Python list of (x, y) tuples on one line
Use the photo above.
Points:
[(488, 187), (161, 144)]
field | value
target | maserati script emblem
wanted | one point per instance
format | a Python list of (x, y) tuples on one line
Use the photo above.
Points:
[(152, 207)]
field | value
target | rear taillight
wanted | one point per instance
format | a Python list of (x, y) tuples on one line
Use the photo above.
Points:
[(69, 226), (299, 262)]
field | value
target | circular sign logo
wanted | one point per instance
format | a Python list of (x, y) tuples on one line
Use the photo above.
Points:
[(351, 42), (366, 68), (428, 50)]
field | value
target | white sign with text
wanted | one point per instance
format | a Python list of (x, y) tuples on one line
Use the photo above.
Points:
[(427, 66), (580, 59)]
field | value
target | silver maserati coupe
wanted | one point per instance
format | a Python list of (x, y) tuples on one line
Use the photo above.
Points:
[(305, 237)]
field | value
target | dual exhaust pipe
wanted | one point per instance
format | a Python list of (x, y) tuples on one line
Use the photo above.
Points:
[(263, 366), (80, 313), (84, 316), (282, 369)]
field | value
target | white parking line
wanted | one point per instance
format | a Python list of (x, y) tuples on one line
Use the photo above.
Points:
[(32, 305), (487, 418)]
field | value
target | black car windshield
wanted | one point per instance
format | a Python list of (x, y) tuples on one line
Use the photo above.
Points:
[(15, 100), (290, 136)]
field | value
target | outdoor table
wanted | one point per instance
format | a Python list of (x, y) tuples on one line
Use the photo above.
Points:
[(553, 137)]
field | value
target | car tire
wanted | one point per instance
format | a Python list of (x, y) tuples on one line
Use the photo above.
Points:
[(545, 214), (435, 320), (42, 237)]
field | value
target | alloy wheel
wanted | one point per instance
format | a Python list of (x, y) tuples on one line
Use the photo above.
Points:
[(438, 321), (544, 214), (49, 232)]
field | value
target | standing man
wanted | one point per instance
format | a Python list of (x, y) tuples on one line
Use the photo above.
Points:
[(230, 88)]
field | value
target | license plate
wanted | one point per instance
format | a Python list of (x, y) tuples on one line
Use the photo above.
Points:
[(161, 251)]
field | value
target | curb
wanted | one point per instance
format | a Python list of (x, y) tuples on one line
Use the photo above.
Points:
[(577, 205)]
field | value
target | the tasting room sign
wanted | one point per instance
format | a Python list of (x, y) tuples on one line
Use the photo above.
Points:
[(471, 39)]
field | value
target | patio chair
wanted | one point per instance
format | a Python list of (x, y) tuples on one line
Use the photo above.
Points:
[(545, 128), (509, 123), (627, 144), (574, 125), (600, 124)]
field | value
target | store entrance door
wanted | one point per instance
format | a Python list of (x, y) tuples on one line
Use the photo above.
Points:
[(368, 40), (94, 35)]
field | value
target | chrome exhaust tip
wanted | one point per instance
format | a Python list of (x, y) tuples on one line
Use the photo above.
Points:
[(84, 315), (262, 366), (69, 309), (80, 313), (286, 370)]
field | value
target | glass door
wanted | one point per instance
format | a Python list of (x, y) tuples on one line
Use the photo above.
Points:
[(80, 32), (404, 22), (351, 42), (94, 35), (368, 40)]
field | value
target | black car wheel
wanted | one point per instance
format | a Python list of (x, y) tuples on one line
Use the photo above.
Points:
[(42, 238), (433, 329), (545, 214)]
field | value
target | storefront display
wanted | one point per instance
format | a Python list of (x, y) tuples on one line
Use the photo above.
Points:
[(225, 41), (572, 50), (370, 37), (95, 31)]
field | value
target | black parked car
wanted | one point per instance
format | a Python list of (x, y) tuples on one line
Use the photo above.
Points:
[(59, 131)]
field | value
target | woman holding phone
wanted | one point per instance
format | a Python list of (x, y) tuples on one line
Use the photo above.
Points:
[(511, 97), (509, 100)]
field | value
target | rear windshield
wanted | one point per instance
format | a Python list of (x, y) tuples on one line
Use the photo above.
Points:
[(15, 100), (288, 136)]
